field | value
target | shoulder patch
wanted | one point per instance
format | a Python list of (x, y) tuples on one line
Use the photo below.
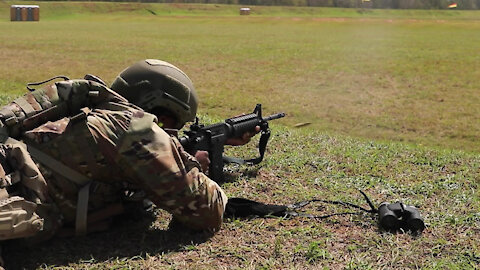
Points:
[(141, 123)]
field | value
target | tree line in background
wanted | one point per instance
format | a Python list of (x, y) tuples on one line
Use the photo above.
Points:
[(387, 4)]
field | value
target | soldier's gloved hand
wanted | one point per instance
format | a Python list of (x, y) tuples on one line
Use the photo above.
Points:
[(203, 159), (244, 139)]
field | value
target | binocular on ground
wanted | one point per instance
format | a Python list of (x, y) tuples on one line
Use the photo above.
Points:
[(398, 216)]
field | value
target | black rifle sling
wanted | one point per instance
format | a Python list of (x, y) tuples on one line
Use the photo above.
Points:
[(262, 146), (243, 208)]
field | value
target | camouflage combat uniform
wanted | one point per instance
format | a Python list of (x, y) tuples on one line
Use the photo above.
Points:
[(117, 146)]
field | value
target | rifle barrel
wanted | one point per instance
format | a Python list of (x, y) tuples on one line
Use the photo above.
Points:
[(274, 116)]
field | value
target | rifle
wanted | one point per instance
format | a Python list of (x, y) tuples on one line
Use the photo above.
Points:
[(212, 138)]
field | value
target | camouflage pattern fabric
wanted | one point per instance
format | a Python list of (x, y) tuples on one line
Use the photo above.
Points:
[(16, 166), (158, 164), (117, 145), (52, 102), (24, 200)]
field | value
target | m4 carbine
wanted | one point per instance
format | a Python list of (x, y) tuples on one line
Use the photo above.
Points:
[(212, 138)]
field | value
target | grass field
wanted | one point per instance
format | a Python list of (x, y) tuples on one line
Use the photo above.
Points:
[(392, 98), (411, 78)]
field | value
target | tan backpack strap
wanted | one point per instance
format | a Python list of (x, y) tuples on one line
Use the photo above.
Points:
[(82, 210), (26, 107), (68, 173), (52, 163)]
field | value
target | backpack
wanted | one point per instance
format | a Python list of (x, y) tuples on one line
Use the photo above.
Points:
[(23, 212)]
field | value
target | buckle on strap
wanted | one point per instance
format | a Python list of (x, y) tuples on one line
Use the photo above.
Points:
[(26, 107)]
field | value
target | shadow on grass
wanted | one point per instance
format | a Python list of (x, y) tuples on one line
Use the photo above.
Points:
[(233, 172), (130, 236), (126, 239)]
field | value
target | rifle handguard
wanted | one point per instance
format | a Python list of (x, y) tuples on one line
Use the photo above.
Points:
[(212, 138)]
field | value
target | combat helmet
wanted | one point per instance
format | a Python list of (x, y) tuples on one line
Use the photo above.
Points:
[(153, 83)]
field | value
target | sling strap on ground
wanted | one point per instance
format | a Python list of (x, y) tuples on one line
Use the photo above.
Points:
[(392, 217), (242, 208)]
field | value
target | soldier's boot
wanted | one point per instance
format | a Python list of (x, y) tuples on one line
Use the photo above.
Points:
[(18, 218)]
